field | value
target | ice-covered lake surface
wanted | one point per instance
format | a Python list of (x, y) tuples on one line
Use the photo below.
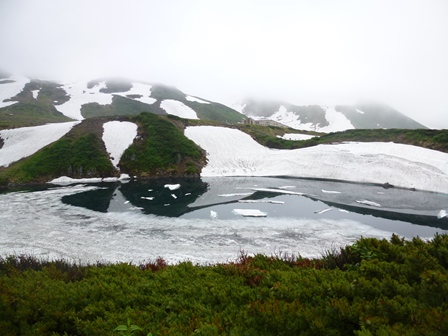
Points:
[(209, 220)]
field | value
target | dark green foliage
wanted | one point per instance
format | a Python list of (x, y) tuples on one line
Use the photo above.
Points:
[(78, 157), (161, 149), (379, 287)]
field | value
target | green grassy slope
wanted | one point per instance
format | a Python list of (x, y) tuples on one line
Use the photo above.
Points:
[(374, 287), (377, 115), (161, 149), (32, 112)]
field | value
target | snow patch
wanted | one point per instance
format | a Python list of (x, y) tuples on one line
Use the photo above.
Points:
[(9, 90), (35, 93), (178, 108), (117, 137), (197, 100), (337, 120), (80, 95), (25, 141), (295, 136), (231, 152), (144, 90), (359, 111)]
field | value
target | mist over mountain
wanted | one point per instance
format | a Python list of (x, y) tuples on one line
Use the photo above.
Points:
[(31, 102)]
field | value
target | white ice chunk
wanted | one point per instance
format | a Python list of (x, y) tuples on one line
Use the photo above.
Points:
[(249, 212), (178, 108), (371, 203), (442, 214), (323, 211), (173, 196), (213, 214), (172, 186), (330, 191), (147, 198), (235, 194)]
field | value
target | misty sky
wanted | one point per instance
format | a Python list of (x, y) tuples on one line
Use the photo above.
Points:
[(304, 52)]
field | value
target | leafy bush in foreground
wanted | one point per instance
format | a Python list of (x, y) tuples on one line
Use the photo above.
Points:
[(374, 287)]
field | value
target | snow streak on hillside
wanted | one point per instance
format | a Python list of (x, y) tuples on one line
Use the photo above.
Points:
[(337, 121), (233, 153), (178, 108), (9, 90), (80, 95), (25, 141), (117, 137), (139, 89)]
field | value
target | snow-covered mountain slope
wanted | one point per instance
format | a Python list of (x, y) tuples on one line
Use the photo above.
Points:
[(23, 102), (233, 153), (327, 118), (25, 141)]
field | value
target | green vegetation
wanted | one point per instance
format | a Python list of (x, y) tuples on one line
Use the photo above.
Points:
[(121, 106), (32, 112), (161, 92), (431, 139), (376, 115), (161, 149), (73, 156), (215, 111), (374, 287)]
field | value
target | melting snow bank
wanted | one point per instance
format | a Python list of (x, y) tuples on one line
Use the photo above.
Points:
[(178, 108), (65, 180), (39, 223), (25, 141), (233, 153), (295, 136), (11, 89), (117, 137)]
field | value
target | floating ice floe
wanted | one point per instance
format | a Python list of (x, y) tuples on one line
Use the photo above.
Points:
[(371, 203), (173, 196), (250, 212), (279, 191), (442, 214), (147, 198), (261, 201), (172, 186), (235, 194), (330, 192), (213, 214), (322, 211)]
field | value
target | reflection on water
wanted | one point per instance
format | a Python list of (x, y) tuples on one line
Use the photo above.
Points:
[(405, 212), (140, 221)]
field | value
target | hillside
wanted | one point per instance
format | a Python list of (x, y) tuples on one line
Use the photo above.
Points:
[(158, 149), (320, 118), (25, 102)]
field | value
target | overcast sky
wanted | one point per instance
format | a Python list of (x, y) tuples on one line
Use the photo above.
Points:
[(304, 52)]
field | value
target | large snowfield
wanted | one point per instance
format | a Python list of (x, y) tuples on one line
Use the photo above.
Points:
[(233, 153), (25, 141), (9, 90)]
